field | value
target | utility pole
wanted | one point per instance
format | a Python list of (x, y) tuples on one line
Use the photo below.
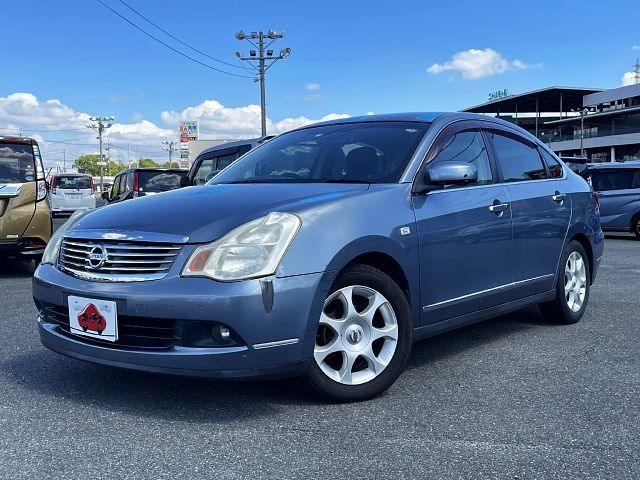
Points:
[(636, 72), (265, 59), (64, 159), (100, 124), (170, 146)]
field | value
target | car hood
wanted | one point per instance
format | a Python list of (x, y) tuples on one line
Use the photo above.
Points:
[(205, 213)]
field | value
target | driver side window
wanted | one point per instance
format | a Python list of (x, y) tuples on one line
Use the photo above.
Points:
[(467, 146)]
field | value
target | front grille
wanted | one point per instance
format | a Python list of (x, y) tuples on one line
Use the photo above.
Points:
[(113, 260), (133, 332)]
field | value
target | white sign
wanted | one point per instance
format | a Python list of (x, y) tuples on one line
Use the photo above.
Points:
[(189, 131)]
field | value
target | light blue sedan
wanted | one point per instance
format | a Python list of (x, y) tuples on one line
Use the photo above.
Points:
[(326, 252)]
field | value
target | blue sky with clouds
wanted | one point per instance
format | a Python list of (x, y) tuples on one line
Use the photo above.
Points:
[(349, 57)]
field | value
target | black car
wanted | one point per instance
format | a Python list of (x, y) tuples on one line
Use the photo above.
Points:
[(217, 158), (138, 182)]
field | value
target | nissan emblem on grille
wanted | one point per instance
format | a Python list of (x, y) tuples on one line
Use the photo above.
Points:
[(117, 261), (97, 257)]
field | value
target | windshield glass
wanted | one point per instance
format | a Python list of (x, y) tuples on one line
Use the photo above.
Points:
[(16, 163), (72, 182), (368, 152), (159, 181)]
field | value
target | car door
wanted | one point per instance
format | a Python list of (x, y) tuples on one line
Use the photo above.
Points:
[(618, 197), (464, 233), (116, 189), (540, 210)]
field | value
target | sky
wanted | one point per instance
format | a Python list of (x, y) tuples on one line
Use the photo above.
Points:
[(65, 60)]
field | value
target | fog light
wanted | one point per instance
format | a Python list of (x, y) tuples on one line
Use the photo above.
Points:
[(225, 334), (221, 334)]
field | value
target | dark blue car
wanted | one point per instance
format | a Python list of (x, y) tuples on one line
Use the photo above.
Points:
[(326, 252)]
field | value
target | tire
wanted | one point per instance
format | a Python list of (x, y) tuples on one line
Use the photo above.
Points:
[(572, 289), (361, 351), (635, 226)]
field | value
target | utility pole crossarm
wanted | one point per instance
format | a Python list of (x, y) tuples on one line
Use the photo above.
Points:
[(100, 124), (265, 60)]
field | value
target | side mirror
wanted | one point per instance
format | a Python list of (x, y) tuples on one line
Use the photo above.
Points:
[(105, 195), (451, 173), (184, 181)]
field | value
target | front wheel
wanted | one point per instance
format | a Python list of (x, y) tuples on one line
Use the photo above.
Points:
[(636, 226), (572, 289), (363, 338)]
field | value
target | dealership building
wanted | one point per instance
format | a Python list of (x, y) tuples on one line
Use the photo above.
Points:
[(603, 125)]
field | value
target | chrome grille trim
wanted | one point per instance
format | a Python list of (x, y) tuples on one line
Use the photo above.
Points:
[(123, 261)]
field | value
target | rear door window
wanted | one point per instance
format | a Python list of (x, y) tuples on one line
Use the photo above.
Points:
[(69, 182), (225, 160), (159, 181), (16, 163), (517, 160), (603, 180)]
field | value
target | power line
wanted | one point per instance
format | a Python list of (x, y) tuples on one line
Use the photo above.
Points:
[(178, 40), (169, 46)]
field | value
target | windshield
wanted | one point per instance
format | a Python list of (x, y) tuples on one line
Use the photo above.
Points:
[(159, 181), (72, 182), (368, 152), (16, 163)]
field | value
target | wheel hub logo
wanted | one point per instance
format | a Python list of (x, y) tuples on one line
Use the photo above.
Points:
[(97, 257), (354, 335)]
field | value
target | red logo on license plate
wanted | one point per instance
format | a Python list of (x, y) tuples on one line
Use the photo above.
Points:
[(92, 319)]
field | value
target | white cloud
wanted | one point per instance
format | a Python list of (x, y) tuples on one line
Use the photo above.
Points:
[(314, 92), (629, 78), (636, 46), (473, 64), (57, 126), (219, 122)]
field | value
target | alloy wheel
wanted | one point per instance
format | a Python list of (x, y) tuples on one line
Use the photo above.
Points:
[(357, 335), (575, 281)]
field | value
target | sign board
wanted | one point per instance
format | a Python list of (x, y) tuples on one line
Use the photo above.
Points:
[(188, 131), (101, 164), (498, 94)]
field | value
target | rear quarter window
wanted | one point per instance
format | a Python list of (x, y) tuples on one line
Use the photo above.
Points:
[(605, 180), (555, 168), (159, 181)]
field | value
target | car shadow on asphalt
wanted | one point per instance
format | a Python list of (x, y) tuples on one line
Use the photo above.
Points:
[(12, 268), (203, 400)]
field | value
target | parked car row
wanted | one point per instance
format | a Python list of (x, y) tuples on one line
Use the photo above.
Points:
[(324, 252)]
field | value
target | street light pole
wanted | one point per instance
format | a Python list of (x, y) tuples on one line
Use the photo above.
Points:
[(171, 147), (265, 59), (100, 126)]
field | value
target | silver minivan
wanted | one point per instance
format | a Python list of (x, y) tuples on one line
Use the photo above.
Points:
[(618, 188)]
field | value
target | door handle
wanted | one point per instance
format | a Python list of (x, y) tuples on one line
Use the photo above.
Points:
[(498, 208), (558, 197)]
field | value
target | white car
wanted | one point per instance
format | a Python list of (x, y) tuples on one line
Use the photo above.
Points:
[(70, 192)]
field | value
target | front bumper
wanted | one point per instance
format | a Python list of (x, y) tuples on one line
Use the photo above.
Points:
[(271, 343)]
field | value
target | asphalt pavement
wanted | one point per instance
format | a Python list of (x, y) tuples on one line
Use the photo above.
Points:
[(510, 398)]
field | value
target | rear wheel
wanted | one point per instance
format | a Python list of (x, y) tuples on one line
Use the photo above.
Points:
[(572, 289), (363, 338), (635, 226)]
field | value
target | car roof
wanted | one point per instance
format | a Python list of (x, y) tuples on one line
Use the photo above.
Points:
[(223, 146), (70, 174), (27, 140), (632, 165), (421, 117)]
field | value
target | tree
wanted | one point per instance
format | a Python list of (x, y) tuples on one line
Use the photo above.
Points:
[(147, 163), (88, 164)]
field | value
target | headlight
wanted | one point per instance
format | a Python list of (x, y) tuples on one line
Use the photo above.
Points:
[(249, 251), (50, 254)]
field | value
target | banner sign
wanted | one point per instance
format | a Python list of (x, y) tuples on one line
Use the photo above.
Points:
[(188, 131)]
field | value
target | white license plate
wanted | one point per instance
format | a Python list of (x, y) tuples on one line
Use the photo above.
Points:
[(93, 318)]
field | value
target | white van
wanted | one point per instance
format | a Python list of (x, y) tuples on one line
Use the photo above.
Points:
[(70, 192)]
